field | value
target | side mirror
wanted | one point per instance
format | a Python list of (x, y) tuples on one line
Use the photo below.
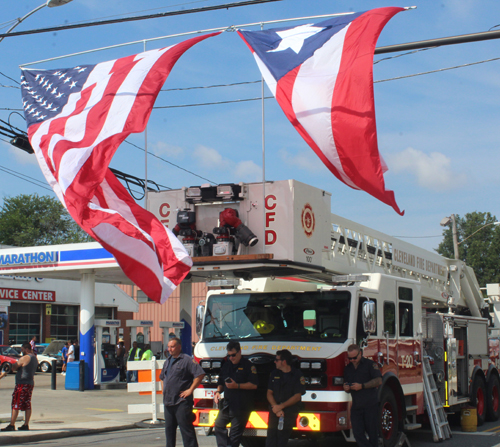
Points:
[(369, 317), (200, 312)]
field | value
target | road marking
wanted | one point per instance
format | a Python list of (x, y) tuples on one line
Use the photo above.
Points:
[(105, 409), (493, 429)]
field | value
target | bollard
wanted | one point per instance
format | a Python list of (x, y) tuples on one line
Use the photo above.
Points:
[(53, 373), (82, 375)]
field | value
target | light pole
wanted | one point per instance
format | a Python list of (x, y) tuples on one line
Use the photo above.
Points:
[(446, 221), (50, 4)]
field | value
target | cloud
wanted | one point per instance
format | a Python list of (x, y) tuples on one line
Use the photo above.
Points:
[(242, 171), (432, 171), (248, 171), (164, 149), (307, 161), (22, 157)]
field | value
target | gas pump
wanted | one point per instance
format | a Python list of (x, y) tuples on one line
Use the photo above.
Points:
[(133, 325), (167, 326), (106, 368)]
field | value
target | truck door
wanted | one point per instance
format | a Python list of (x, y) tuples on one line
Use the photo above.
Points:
[(388, 344), (409, 354)]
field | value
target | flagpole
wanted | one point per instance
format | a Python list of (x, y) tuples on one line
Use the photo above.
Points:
[(145, 159), (263, 162)]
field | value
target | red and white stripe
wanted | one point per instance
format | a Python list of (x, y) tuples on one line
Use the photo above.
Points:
[(75, 148)]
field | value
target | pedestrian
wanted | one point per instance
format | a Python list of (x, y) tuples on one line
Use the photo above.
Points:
[(238, 380), (133, 355), (147, 354), (120, 358), (71, 351), (33, 345), (284, 393), (64, 352), (25, 369), (181, 375), (362, 377)]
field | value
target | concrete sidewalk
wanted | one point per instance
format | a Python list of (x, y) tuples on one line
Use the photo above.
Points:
[(62, 413)]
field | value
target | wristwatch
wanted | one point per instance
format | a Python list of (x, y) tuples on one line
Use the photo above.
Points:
[(362, 386)]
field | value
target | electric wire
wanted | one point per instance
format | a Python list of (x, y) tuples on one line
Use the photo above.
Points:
[(137, 18), (170, 163), (24, 177)]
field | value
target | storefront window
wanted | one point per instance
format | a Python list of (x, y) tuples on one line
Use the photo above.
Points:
[(64, 322), (104, 313), (24, 322)]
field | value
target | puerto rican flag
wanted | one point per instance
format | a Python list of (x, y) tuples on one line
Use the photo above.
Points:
[(77, 118), (322, 77)]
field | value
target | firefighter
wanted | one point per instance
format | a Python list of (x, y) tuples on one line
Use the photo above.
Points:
[(238, 380), (284, 393), (362, 378)]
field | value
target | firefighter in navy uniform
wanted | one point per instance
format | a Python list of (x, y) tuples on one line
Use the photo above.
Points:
[(238, 380), (284, 393), (362, 378)]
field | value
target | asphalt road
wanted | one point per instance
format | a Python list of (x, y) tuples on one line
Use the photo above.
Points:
[(490, 437)]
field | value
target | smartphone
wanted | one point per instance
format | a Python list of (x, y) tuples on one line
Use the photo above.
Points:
[(228, 379)]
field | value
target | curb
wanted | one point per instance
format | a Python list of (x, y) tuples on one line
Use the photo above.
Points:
[(58, 434)]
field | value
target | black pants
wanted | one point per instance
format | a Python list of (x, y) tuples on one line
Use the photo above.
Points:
[(180, 415), (363, 420), (238, 423), (279, 438)]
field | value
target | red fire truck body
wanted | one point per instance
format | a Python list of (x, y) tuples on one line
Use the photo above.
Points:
[(420, 316)]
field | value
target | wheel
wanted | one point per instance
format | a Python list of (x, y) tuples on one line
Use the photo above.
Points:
[(7, 367), (478, 398), (45, 367), (389, 418), (493, 399), (253, 441)]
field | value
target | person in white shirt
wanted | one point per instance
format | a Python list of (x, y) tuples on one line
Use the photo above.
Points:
[(71, 351)]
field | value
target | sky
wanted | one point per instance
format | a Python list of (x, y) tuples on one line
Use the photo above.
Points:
[(438, 132)]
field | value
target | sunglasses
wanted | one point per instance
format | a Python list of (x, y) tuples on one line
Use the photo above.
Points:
[(232, 355), (353, 358)]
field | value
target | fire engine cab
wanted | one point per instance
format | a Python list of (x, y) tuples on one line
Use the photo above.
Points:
[(286, 273)]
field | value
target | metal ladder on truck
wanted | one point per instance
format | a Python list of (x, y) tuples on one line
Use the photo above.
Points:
[(439, 422)]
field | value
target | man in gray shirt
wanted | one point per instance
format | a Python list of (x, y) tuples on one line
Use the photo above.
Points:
[(180, 376), (21, 398)]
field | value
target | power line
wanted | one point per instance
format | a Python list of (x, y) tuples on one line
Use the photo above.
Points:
[(213, 103), (24, 177), (169, 162), (136, 18)]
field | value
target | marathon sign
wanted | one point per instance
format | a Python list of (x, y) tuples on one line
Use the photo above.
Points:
[(27, 295), (33, 258)]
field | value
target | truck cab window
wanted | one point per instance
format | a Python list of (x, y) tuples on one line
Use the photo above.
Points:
[(405, 319), (390, 318)]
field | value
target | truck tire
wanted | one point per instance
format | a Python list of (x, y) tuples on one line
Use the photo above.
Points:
[(478, 398), (389, 418), (253, 441), (45, 367), (493, 398), (7, 367)]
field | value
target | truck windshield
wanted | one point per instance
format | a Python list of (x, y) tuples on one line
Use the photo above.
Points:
[(321, 316)]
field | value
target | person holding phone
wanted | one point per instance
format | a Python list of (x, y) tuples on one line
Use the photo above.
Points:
[(238, 380)]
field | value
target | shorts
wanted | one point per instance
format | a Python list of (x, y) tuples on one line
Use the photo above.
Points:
[(21, 397)]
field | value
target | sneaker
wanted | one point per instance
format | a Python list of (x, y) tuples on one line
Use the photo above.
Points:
[(9, 428), (63, 374), (24, 427)]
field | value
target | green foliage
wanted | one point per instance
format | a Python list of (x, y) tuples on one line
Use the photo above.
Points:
[(481, 250), (31, 220)]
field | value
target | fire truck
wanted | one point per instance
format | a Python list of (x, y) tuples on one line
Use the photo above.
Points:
[(285, 273)]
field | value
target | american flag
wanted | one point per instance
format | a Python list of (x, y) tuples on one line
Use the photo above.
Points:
[(77, 118), (322, 77)]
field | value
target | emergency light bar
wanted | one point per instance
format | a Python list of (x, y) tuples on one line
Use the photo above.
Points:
[(349, 278)]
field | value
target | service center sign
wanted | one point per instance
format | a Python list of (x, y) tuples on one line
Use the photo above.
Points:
[(27, 295)]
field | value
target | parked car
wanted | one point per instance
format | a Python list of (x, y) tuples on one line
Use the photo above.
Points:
[(45, 357), (51, 352), (10, 351), (6, 363)]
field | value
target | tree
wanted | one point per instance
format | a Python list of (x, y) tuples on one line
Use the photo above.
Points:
[(480, 251), (30, 220)]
